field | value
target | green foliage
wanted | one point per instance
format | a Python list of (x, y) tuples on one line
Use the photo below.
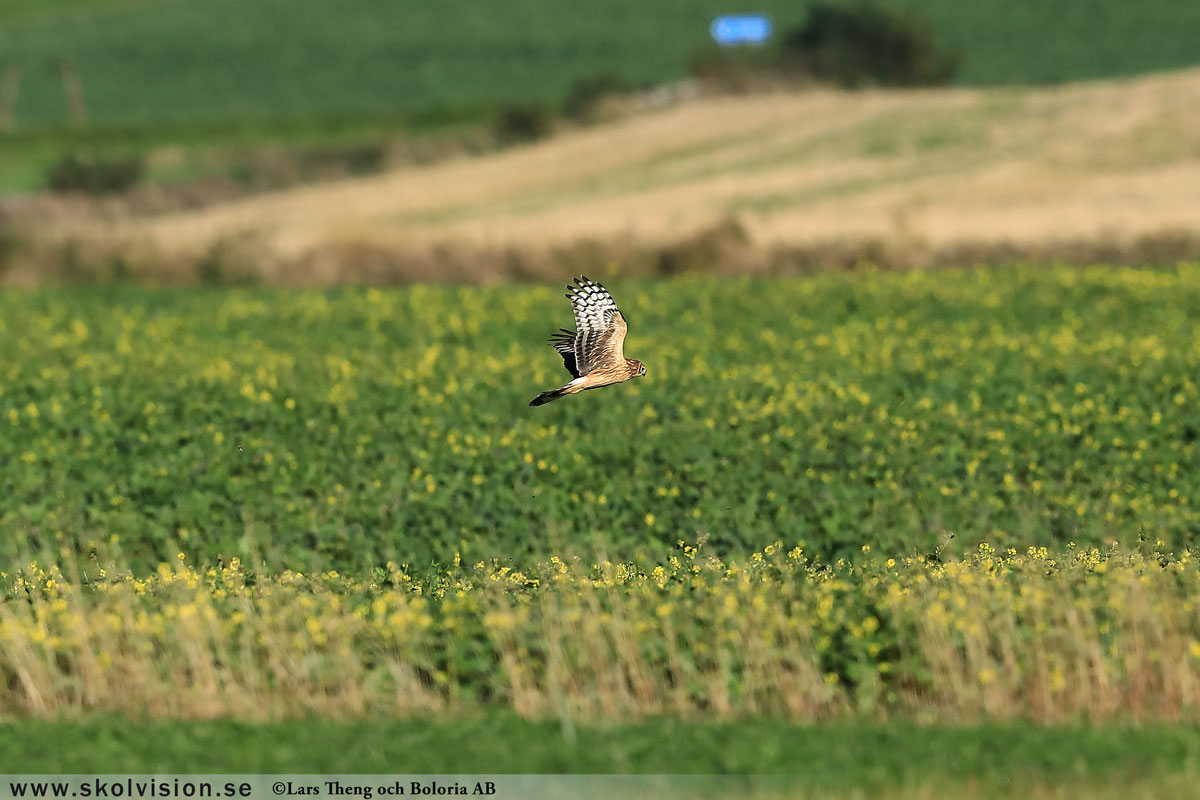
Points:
[(522, 122), (868, 45), (586, 97), (734, 69), (347, 427), (74, 173)]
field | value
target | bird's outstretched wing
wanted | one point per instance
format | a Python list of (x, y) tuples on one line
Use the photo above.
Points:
[(564, 343), (599, 325)]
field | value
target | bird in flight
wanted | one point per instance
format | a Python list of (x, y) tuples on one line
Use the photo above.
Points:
[(594, 352)]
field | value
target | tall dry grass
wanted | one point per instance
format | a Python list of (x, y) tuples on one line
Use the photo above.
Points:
[(1095, 636)]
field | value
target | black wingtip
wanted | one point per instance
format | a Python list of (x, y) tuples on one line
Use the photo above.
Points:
[(542, 399), (582, 282)]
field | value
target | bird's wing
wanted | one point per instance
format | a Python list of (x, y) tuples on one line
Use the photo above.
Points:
[(600, 337), (609, 349), (564, 343)]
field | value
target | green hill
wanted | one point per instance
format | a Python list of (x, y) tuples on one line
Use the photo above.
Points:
[(146, 62)]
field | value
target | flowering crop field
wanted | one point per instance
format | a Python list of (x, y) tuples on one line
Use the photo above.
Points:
[(953, 495), (340, 430)]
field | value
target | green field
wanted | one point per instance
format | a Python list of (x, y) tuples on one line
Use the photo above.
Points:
[(837, 757), (341, 429), (334, 511), (151, 61), (239, 78)]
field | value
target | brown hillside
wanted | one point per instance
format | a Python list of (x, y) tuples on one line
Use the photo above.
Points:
[(1026, 167)]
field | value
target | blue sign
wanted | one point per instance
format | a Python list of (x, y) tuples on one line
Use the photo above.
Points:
[(741, 29)]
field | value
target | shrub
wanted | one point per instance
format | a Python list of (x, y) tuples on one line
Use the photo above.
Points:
[(866, 44), (522, 122), (344, 159), (75, 173), (585, 101), (735, 69)]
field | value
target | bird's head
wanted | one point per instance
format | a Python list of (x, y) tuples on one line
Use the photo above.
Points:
[(639, 368)]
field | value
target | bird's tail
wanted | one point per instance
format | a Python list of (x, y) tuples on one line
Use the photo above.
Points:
[(553, 394)]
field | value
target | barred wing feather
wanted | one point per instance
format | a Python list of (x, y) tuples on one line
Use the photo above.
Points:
[(600, 327)]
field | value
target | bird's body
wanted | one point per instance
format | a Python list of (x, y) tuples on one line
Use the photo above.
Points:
[(594, 352)]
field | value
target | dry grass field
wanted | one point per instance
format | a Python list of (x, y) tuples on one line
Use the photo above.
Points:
[(1021, 169)]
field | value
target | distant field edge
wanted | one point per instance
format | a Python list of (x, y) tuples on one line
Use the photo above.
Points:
[(833, 757), (725, 248)]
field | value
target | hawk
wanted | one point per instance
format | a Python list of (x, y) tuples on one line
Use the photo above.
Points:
[(593, 352)]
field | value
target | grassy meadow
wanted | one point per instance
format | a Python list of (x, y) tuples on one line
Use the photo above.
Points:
[(835, 760)]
